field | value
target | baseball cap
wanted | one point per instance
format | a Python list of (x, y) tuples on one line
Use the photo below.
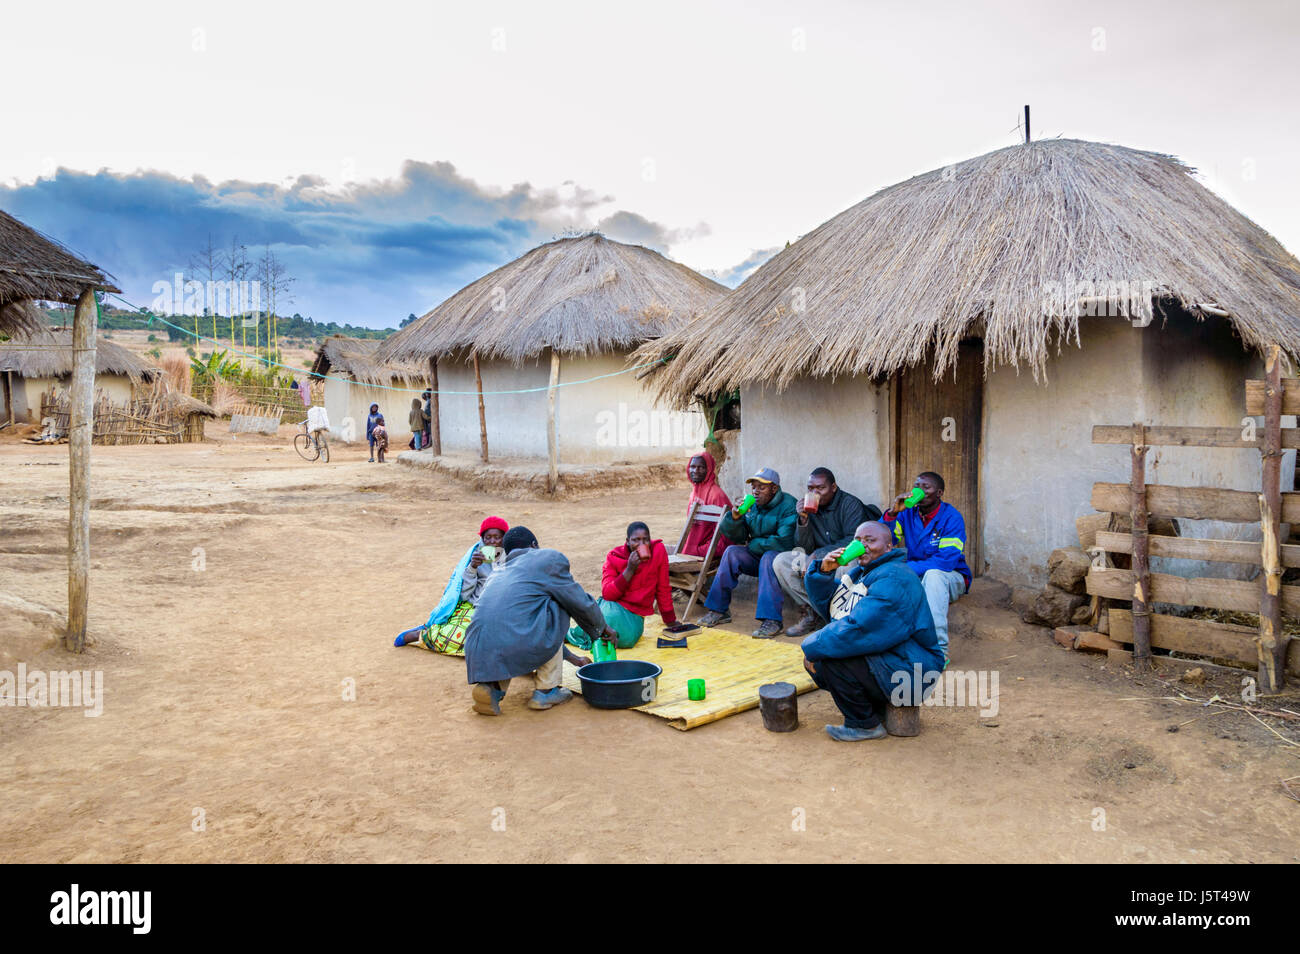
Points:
[(767, 475)]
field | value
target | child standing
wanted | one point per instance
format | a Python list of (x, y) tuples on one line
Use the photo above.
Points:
[(379, 437)]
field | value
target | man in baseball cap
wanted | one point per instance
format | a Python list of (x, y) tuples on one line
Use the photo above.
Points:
[(761, 530)]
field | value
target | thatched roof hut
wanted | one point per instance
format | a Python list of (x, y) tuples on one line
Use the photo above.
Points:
[(588, 298), (355, 357), (354, 380), (579, 296), (992, 247), (891, 339), (34, 267), (48, 354)]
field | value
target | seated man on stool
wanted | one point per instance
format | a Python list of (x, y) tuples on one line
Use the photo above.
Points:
[(765, 530), (830, 526), (880, 634), (934, 534)]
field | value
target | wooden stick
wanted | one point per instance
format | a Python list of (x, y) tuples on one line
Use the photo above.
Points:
[(552, 450), (1272, 641), (482, 415), (9, 394), (80, 430), (1141, 561), (435, 421)]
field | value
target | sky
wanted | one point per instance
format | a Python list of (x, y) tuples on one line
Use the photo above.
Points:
[(390, 153)]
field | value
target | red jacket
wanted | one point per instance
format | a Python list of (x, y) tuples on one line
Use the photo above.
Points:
[(649, 583)]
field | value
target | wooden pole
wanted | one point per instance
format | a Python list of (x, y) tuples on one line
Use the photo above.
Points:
[(9, 394), (552, 450), (80, 423), (1141, 561), (482, 415), (1272, 642), (435, 424)]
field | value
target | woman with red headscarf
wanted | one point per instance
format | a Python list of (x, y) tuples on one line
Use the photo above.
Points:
[(445, 630), (701, 470)]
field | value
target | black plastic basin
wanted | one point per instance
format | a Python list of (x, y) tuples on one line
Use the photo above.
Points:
[(621, 684)]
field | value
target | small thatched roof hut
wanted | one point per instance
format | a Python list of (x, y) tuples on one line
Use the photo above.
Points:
[(354, 380), (579, 296), (889, 339), (32, 364), (48, 354), (589, 299)]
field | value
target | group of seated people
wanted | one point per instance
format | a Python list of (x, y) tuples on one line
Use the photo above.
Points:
[(871, 625)]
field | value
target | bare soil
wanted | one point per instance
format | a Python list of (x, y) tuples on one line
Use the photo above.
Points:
[(238, 591)]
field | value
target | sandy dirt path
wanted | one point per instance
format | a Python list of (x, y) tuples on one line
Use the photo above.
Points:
[(225, 700)]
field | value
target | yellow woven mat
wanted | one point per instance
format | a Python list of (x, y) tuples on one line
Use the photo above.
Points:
[(732, 666)]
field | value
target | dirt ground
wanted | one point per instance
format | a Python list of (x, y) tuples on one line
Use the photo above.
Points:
[(238, 591)]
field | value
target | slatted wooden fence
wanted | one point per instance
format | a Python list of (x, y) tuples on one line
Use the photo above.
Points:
[(1268, 648)]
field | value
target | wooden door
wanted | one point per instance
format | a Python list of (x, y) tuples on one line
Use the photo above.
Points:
[(937, 426)]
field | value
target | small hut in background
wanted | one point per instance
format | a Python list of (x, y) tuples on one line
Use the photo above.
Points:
[(354, 380), (979, 319), (572, 310), (36, 268), (38, 365)]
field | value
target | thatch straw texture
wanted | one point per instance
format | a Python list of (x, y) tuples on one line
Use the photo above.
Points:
[(48, 354), (33, 266), (581, 296), (355, 357), (1002, 246)]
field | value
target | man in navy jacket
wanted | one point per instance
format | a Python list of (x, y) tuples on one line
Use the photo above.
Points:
[(880, 639)]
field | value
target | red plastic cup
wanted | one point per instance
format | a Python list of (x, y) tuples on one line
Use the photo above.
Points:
[(811, 502), (643, 551)]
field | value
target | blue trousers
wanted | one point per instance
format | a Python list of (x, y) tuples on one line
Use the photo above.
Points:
[(736, 560)]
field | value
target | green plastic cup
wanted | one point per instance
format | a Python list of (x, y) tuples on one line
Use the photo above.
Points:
[(695, 689), (914, 498), (745, 504), (851, 553), (489, 552), (604, 650)]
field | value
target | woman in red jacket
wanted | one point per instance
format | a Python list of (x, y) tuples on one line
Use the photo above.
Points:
[(635, 578)]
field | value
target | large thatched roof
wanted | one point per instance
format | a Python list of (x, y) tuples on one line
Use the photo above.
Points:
[(999, 246), (356, 357), (584, 295), (48, 354), (33, 266)]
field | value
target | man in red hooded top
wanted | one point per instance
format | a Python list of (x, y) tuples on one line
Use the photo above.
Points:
[(701, 471)]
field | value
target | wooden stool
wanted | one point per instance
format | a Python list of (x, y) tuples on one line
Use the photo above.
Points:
[(903, 720), (779, 704)]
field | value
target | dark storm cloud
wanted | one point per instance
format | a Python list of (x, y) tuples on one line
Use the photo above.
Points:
[(368, 254)]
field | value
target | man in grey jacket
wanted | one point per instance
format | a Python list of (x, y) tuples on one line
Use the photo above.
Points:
[(829, 525), (520, 622)]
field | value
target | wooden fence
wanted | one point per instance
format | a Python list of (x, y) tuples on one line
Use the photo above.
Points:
[(141, 421), (288, 401), (1268, 647)]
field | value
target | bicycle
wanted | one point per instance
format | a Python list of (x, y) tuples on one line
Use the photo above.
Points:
[(311, 445)]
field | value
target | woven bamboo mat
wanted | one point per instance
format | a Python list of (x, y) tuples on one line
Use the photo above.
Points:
[(732, 666)]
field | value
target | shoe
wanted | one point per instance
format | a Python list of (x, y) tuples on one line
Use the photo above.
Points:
[(842, 733), (767, 628), (551, 697), (371, 461), (487, 698), (808, 623), (713, 619)]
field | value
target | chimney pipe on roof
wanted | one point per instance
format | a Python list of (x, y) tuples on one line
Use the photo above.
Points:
[(1026, 123)]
